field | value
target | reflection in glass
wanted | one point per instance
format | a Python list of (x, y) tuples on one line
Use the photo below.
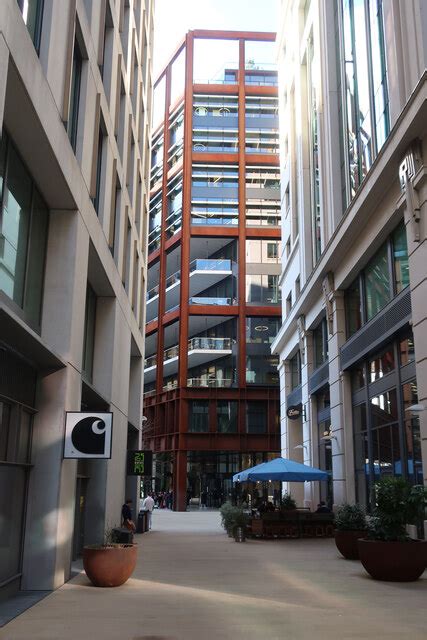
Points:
[(407, 350), (353, 308), (198, 418), (227, 414), (256, 417), (159, 105), (381, 365), (377, 283), (400, 257)]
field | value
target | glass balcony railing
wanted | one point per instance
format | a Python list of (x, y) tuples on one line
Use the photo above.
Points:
[(152, 293), (215, 218), (211, 344), (172, 352), (210, 264), (172, 384), (210, 301), (196, 343), (151, 361), (216, 383)]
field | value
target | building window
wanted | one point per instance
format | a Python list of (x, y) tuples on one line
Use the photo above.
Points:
[(100, 166), (381, 365), (32, 13), (89, 333), (400, 258), (73, 112), (227, 416), (24, 220), (295, 369), (198, 420), (320, 343), (366, 93), (406, 349), (313, 74), (385, 276), (377, 283), (256, 417), (353, 308)]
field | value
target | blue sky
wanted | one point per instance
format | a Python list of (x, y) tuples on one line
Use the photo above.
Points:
[(173, 18)]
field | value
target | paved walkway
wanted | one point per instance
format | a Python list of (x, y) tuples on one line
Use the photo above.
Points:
[(192, 582)]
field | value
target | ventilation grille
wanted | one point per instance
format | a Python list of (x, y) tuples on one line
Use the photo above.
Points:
[(376, 332), (295, 397)]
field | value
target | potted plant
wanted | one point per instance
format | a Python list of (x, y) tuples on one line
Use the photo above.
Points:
[(389, 553), (240, 522), (109, 564), (350, 525), (234, 521)]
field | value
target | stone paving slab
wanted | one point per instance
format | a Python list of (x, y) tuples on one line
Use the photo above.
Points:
[(193, 582)]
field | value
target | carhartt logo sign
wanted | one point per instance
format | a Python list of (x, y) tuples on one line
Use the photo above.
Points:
[(293, 412), (88, 435)]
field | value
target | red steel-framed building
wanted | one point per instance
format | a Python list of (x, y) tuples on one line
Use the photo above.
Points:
[(211, 398)]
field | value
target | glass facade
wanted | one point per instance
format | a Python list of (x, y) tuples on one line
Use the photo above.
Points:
[(24, 220), (227, 416), (384, 277), (256, 417), (313, 127), (366, 112), (386, 435)]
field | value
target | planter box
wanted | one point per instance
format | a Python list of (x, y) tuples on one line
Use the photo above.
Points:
[(393, 561), (109, 566)]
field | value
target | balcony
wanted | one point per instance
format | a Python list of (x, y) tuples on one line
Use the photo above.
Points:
[(204, 273), (200, 351), (210, 383), (210, 301)]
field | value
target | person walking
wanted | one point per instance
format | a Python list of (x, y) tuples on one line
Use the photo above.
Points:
[(148, 506), (127, 520)]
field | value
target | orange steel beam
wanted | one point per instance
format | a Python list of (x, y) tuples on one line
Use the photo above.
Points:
[(241, 250)]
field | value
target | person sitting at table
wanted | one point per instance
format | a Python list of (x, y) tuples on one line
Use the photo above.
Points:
[(269, 506), (322, 507)]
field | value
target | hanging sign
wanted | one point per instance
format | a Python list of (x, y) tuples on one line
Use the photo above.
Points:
[(88, 435), (293, 412), (140, 463)]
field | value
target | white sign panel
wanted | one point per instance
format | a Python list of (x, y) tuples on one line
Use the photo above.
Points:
[(88, 435)]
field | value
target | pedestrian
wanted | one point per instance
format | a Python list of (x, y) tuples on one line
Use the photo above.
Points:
[(127, 520), (204, 499), (148, 506)]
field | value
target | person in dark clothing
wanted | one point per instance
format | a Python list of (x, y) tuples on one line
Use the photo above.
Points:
[(127, 516), (322, 507)]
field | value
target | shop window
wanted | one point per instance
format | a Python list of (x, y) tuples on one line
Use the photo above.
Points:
[(381, 365), (198, 416), (407, 350), (358, 379), (256, 417), (227, 416), (414, 468)]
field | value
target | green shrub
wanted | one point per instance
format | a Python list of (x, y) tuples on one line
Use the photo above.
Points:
[(350, 517), (397, 504), (288, 503), (232, 517)]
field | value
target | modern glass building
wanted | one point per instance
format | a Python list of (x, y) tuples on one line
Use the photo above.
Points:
[(213, 295), (352, 342)]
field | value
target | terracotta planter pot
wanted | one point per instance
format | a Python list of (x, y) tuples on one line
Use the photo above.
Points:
[(393, 561), (346, 542), (109, 566)]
